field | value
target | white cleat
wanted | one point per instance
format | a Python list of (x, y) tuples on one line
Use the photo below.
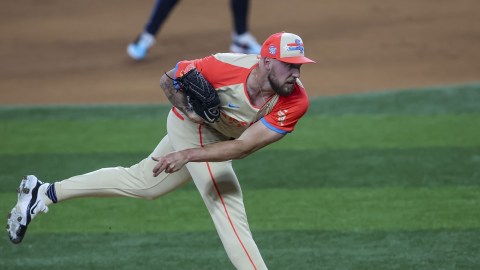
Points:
[(139, 48), (29, 204), (245, 43)]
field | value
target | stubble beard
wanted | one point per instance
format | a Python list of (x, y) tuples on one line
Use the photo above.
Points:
[(281, 90)]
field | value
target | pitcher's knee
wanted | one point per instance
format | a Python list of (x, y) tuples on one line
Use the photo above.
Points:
[(148, 194)]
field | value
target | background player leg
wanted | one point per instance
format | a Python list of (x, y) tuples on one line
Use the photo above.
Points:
[(139, 48), (242, 40)]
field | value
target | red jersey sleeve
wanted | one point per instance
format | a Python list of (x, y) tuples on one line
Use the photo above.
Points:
[(184, 66), (216, 72), (288, 110), (201, 65)]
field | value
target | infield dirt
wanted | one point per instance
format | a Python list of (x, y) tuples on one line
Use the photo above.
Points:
[(69, 52)]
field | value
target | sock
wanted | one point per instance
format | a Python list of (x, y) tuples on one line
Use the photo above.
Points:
[(51, 194)]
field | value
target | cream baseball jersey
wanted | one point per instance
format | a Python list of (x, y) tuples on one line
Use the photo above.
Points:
[(228, 73)]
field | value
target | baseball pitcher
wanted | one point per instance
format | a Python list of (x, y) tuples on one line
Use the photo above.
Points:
[(225, 107)]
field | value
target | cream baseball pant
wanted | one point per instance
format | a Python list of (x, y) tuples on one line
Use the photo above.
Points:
[(216, 182)]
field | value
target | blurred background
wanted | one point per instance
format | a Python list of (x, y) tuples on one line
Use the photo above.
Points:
[(75, 51)]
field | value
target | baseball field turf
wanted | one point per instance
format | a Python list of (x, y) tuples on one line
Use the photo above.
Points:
[(387, 180)]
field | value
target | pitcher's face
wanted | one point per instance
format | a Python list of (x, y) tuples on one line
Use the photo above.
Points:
[(283, 76)]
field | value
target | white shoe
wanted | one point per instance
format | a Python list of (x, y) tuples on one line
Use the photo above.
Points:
[(139, 48), (245, 43), (29, 204)]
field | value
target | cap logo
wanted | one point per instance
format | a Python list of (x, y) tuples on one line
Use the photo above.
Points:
[(272, 50), (296, 46)]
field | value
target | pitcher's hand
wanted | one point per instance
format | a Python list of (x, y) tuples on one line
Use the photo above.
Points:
[(169, 163)]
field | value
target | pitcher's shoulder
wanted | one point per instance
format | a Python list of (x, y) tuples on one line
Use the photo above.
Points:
[(238, 59)]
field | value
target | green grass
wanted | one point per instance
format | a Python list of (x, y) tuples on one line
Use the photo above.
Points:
[(422, 167), (457, 99), (340, 209), (431, 249), (320, 132), (372, 181)]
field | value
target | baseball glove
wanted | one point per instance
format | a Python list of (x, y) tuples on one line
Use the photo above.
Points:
[(201, 96)]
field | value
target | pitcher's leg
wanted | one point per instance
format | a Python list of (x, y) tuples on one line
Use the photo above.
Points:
[(136, 181), (220, 190), (222, 195)]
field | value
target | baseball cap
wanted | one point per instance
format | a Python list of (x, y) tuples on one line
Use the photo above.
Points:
[(286, 47)]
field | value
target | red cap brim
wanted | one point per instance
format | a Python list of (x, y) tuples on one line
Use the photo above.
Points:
[(296, 60)]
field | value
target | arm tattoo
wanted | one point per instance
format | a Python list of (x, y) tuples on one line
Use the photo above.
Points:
[(177, 98)]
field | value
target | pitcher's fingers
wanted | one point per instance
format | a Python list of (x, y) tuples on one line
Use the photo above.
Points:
[(158, 169)]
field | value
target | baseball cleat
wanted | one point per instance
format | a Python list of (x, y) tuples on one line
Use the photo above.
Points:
[(139, 48), (29, 204), (244, 43)]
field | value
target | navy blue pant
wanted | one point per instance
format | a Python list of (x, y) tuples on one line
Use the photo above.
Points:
[(162, 9)]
